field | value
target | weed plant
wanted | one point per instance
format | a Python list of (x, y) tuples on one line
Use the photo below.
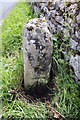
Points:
[(66, 98)]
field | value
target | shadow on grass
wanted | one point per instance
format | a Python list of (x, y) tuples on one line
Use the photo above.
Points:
[(40, 91)]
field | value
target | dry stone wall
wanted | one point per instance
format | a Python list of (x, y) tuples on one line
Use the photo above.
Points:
[(63, 17)]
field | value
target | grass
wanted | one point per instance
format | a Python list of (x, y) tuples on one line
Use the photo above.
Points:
[(67, 99), (15, 105), (12, 70), (12, 28), (67, 96), (23, 110)]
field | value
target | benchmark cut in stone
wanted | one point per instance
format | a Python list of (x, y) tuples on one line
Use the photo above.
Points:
[(37, 51)]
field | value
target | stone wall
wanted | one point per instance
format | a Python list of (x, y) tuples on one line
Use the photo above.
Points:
[(63, 17)]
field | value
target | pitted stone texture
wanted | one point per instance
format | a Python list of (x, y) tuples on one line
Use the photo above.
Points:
[(75, 63), (78, 19), (73, 44), (37, 47)]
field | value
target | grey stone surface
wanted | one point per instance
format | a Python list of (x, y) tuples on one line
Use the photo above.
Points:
[(78, 47), (78, 34), (37, 50), (75, 63), (78, 19), (73, 44), (59, 19)]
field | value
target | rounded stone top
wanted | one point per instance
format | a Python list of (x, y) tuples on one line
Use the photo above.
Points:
[(37, 22)]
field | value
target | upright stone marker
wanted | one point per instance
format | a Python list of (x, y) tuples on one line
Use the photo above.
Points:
[(37, 51)]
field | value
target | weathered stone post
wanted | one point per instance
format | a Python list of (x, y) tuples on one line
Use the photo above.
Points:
[(37, 52)]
